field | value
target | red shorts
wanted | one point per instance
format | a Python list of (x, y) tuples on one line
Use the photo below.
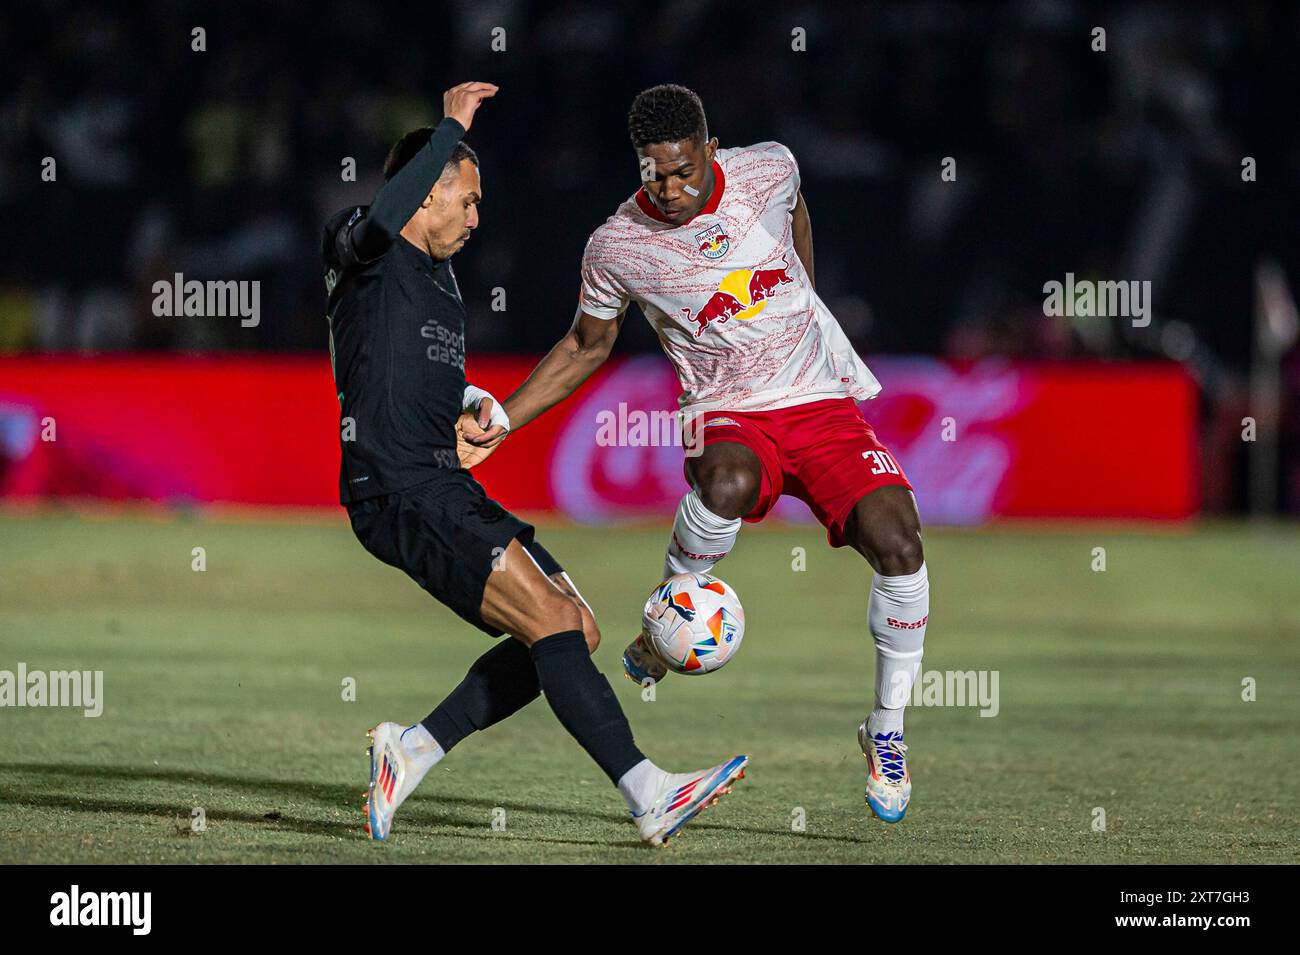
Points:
[(824, 453)]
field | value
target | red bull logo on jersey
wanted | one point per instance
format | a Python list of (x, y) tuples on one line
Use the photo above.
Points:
[(742, 295), (713, 242)]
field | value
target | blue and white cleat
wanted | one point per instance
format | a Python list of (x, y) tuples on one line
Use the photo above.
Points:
[(683, 796), (889, 787), (640, 663), (392, 779)]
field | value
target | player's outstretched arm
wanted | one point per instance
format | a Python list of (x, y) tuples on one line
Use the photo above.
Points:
[(401, 197), (565, 367)]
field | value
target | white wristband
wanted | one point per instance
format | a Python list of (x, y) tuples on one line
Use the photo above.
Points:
[(473, 396)]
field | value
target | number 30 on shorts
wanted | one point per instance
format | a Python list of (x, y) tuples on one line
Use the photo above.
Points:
[(882, 463)]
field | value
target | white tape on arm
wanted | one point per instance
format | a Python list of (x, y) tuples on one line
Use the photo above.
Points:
[(475, 395)]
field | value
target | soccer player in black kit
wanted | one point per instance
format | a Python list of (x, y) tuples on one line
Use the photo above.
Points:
[(397, 344)]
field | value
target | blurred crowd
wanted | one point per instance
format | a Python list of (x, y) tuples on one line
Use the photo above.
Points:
[(223, 162)]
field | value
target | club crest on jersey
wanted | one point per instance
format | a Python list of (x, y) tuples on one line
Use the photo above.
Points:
[(713, 242)]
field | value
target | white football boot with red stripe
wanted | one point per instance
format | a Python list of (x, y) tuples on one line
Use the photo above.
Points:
[(392, 779), (682, 796), (889, 784)]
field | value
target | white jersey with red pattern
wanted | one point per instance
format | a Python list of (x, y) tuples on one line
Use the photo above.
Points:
[(726, 293)]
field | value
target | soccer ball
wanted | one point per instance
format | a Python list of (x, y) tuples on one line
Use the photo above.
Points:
[(693, 623)]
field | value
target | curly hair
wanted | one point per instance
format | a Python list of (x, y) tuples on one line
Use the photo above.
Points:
[(666, 114)]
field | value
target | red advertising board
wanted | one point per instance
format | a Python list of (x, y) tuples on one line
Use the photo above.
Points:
[(979, 441)]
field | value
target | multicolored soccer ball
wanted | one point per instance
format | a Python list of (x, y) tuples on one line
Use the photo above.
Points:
[(693, 623)]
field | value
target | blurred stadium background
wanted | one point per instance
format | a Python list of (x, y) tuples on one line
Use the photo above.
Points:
[(1120, 689), (1116, 165)]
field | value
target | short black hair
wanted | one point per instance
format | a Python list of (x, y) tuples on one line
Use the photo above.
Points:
[(405, 148), (666, 114)]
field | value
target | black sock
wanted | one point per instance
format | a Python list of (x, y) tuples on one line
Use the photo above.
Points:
[(500, 683), (584, 702)]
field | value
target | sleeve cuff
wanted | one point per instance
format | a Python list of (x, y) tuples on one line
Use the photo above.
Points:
[(600, 311)]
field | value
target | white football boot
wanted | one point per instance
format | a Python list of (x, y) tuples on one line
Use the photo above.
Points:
[(392, 778), (682, 796), (889, 786)]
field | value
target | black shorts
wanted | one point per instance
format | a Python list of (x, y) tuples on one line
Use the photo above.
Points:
[(446, 534)]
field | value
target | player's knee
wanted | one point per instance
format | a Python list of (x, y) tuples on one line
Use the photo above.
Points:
[(899, 552), (592, 634), (886, 529), (727, 489), (589, 628), (551, 615), (891, 545)]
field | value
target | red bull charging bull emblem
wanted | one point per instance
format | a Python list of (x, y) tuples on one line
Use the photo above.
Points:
[(742, 295)]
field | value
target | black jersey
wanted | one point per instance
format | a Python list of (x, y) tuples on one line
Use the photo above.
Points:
[(397, 336)]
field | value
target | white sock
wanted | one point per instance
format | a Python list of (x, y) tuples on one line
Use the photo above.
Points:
[(639, 785), (421, 748), (700, 538), (897, 614)]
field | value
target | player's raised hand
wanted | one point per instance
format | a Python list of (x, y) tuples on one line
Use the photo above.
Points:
[(460, 102)]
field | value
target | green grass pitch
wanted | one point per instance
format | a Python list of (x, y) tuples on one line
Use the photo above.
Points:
[(1119, 690)]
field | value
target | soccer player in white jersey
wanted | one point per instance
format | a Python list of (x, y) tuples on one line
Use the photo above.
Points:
[(716, 250)]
